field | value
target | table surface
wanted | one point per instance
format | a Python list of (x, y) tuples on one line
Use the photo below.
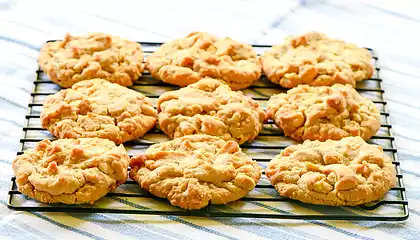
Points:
[(390, 27)]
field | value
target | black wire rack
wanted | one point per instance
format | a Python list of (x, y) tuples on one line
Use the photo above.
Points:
[(130, 199)]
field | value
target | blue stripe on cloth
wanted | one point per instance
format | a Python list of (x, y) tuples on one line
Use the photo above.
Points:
[(17, 124), (9, 69), (32, 230), (176, 219), (261, 227), (406, 155), (10, 232), (125, 230), (405, 137), (5, 161), (124, 226), (401, 229), (32, 27), (350, 234), (395, 229), (84, 233), (276, 23), (384, 227), (155, 228), (405, 103), (13, 103), (392, 13), (405, 171), (125, 24), (19, 42), (399, 72)]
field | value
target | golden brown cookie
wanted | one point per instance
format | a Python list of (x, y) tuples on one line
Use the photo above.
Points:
[(210, 107), (338, 173), (98, 108), (316, 60), (195, 170), (186, 60), (96, 55), (71, 171), (321, 113)]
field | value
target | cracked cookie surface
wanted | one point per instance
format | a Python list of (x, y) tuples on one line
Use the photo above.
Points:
[(196, 170), (96, 55), (210, 107), (98, 108), (71, 171), (338, 173), (186, 60), (321, 113), (316, 60)]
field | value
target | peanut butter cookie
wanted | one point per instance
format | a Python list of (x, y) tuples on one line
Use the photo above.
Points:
[(71, 171), (338, 173), (186, 60), (98, 108), (96, 55), (210, 107), (321, 113), (316, 60), (196, 170)]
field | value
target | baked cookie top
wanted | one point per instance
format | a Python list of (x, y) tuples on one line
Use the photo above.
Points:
[(195, 170), (96, 55), (71, 171), (346, 172), (186, 60), (98, 108), (316, 60), (321, 113), (210, 107)]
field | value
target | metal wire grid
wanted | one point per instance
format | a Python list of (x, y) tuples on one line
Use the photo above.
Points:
[(367, 212)]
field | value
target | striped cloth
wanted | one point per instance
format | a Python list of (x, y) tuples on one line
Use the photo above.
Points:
[(391, 28)]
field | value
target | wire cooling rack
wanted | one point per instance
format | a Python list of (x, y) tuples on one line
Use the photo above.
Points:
[(262, 202)]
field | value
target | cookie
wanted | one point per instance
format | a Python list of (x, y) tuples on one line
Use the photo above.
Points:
[(98, 108), (316, 60), (195, 170), (321, 113), (347, 172), (96, 55), (186, 60), (71, 171), (210, 107)]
